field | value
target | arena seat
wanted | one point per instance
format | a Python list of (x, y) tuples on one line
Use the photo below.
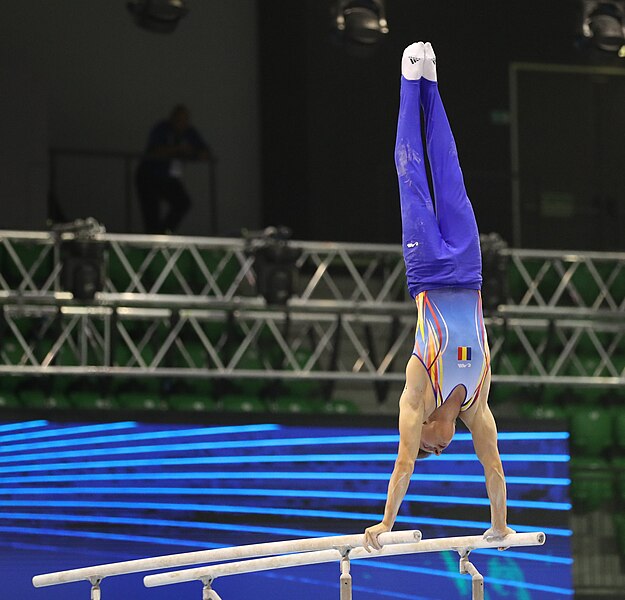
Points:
[(28, 254), (296, 405), (516, 285), (617, 289), (591, 429), (184, 266), (301, 387), (190, 402), (224, 279), (125, 358), (196, 354), (619, 426), (9, 400), (91, 400), (540, 405), (618, 469), (13, 352), (546, 287), (140, 400), (202, 387), (116, 271), (242, 403), (66, 357), (340, 407), (592, 484), (518, 362), (586, 285), (38, 399), (252, 361)]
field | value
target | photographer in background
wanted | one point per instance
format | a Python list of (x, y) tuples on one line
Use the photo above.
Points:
[(159, 174)]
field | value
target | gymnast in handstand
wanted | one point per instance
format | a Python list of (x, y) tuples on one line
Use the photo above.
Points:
[(448, 374)]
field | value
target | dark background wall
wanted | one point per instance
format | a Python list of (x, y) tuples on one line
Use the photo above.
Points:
[(329, 116), (82, 75), (303, 127)]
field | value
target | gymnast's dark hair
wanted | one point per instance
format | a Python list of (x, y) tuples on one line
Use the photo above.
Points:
[(423, 454)]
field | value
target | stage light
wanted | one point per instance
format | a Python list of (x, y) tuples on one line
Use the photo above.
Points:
[(361, 21), (274, 263), (604, 25), (159, 16), (82, 258), (495, 271)]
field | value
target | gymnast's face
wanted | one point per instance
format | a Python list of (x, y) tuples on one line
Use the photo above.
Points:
[(436, 436)]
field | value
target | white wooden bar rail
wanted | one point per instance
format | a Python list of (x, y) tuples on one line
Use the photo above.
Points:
[(97, 573), (463, 545)]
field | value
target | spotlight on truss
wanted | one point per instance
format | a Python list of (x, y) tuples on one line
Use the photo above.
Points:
[(361, 21), (604, 25), (159, 16)]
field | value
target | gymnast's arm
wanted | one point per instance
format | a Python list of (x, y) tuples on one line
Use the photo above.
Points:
[(410, 422), (481, 423)]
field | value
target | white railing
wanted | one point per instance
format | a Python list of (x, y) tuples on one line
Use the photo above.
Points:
[(97, 573), (278, 555), (463, 545)]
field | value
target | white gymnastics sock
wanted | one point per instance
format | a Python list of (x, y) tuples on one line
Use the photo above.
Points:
[(412, 61), (429, 64)]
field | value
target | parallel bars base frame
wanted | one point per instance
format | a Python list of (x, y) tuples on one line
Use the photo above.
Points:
[(278, 555)]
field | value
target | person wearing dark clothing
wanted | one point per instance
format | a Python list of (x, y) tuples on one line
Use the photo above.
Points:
[(159, 174)]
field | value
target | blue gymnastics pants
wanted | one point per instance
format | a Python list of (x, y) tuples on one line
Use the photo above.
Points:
[(441, 247)]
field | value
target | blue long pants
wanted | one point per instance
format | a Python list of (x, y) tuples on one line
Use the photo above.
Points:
[(441, 248)]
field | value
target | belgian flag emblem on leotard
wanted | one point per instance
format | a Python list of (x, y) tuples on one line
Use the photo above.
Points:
[(464, 353)]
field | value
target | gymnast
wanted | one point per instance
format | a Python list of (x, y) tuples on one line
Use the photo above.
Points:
[(448, 374)]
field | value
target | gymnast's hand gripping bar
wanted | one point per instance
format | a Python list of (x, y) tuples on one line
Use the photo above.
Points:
[(99, 572)]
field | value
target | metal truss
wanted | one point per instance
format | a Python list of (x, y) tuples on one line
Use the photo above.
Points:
[(587, 280), (267, 344), (557, 351), (260, 344), (188, 307), (182, 270)]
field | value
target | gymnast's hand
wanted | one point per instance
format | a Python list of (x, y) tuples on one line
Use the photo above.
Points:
[(494, 535), (371, 536)]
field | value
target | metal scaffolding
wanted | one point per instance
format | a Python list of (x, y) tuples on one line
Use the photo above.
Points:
[(189, 307)]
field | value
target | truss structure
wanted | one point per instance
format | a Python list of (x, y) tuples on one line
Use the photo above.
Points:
[(188, 307)]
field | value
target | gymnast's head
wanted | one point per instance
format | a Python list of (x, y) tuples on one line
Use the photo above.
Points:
[(436, 435)]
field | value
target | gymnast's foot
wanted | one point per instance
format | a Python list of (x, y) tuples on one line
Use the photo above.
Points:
[(429, 64), (412, 61)]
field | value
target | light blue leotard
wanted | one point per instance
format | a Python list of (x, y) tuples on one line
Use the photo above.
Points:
[(441, 247)]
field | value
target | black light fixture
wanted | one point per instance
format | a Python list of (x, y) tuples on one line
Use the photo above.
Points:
[(274, 263), (604, 25), (82, 256), (495, 265), (361, 21), (158, 16)]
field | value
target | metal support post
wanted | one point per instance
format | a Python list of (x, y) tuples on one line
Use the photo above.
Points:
[(208, 593), (477, 579), (346, 578), (96, 593)]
